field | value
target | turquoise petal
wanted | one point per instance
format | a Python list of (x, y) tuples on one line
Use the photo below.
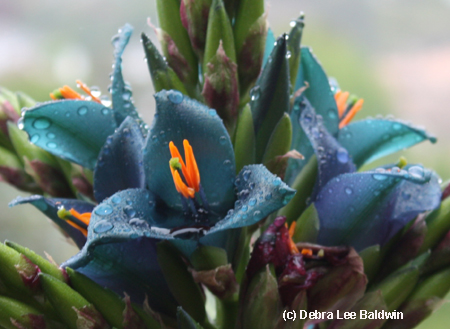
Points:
[(177, 118), (74, 130), (259, 194), (50, 207), (120, 163), (122, 101), (270, 43), (365, 209), (370, 139), (318, 91), (333, 160)]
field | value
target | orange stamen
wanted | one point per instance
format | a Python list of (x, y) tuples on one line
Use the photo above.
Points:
[(86, 89), (53, 97), (82, 230), (176, 154), (69, 93), (355, 109), (292, 247), (191, 166), (85, 217), (186, 191), (341, 101), (307, 252)]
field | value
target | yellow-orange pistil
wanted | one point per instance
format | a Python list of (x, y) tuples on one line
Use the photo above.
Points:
[(84, 218), (188, 169), (341, 102), (68, 93), (292, 246)]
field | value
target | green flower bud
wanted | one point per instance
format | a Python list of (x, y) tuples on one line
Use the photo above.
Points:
[(175, 42), (220, 89), (438, 224), (307, 227), (278, 145), (244, 139), (294, 44), (372, 258), (163, 77), (115, 310), (261, 305), (74, 310), (14, 314), (304, 184)]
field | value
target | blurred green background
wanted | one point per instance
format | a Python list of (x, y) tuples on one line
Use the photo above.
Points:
[(393, 53)]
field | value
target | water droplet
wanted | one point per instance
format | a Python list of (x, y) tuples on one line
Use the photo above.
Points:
[(138, 222), (379, 177), (244, 208), (34, 138), (223, 140), (268, 196), (42, 123), (277, 181), (212, 112), (230, 212), (175, 96), (332, 114), (238, 204), (255, 93), (126, 96), (103, 210), (288, 54), (82, 110), (51, 135), (342, 155), (406, 195), (95, 91), (103, 226), (126, 132), (396, 126), (130, 212), (105, 100), (292, 23), (105, 111), (252, 202), (51, 145), (348, 190), (116, 199), (416, 171), (246, 175), (257, 215), (287, 198)]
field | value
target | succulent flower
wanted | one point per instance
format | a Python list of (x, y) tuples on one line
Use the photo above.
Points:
[(247, 184)]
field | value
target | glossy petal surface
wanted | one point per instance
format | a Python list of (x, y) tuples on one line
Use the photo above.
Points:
[(74, 130), (50, 208), (121, 92), (332, 158), (178, 118), (120, 163), (259, 194), (370, 139), (364, 209), (318, 91)]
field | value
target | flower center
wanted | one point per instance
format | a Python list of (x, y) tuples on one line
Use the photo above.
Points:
[(186, 178), (346, 110), (75, 219), (68, 93)]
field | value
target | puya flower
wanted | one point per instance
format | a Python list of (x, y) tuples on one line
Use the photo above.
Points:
[(147, 191), (307, 276)]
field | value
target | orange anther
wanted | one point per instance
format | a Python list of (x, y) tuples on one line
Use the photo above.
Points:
[(85, 217), (86, 89), (355, 109), (292, 229), (341, 101), (82, 230), (181, 187), (191, 166), (176, 154), (69, 93), (307, 252), (53, 97)]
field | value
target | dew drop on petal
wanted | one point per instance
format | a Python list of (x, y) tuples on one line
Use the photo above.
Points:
[(342, 155), (103, 210), (175, 96), (34, 139), (416, 171), (42, 123), (51, 145), (82, 110), (130, 212), (103, 226), (116, 199), (348, 190), (277, 181)]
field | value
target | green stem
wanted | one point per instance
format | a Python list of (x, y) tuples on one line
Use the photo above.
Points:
[(229, 311)]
